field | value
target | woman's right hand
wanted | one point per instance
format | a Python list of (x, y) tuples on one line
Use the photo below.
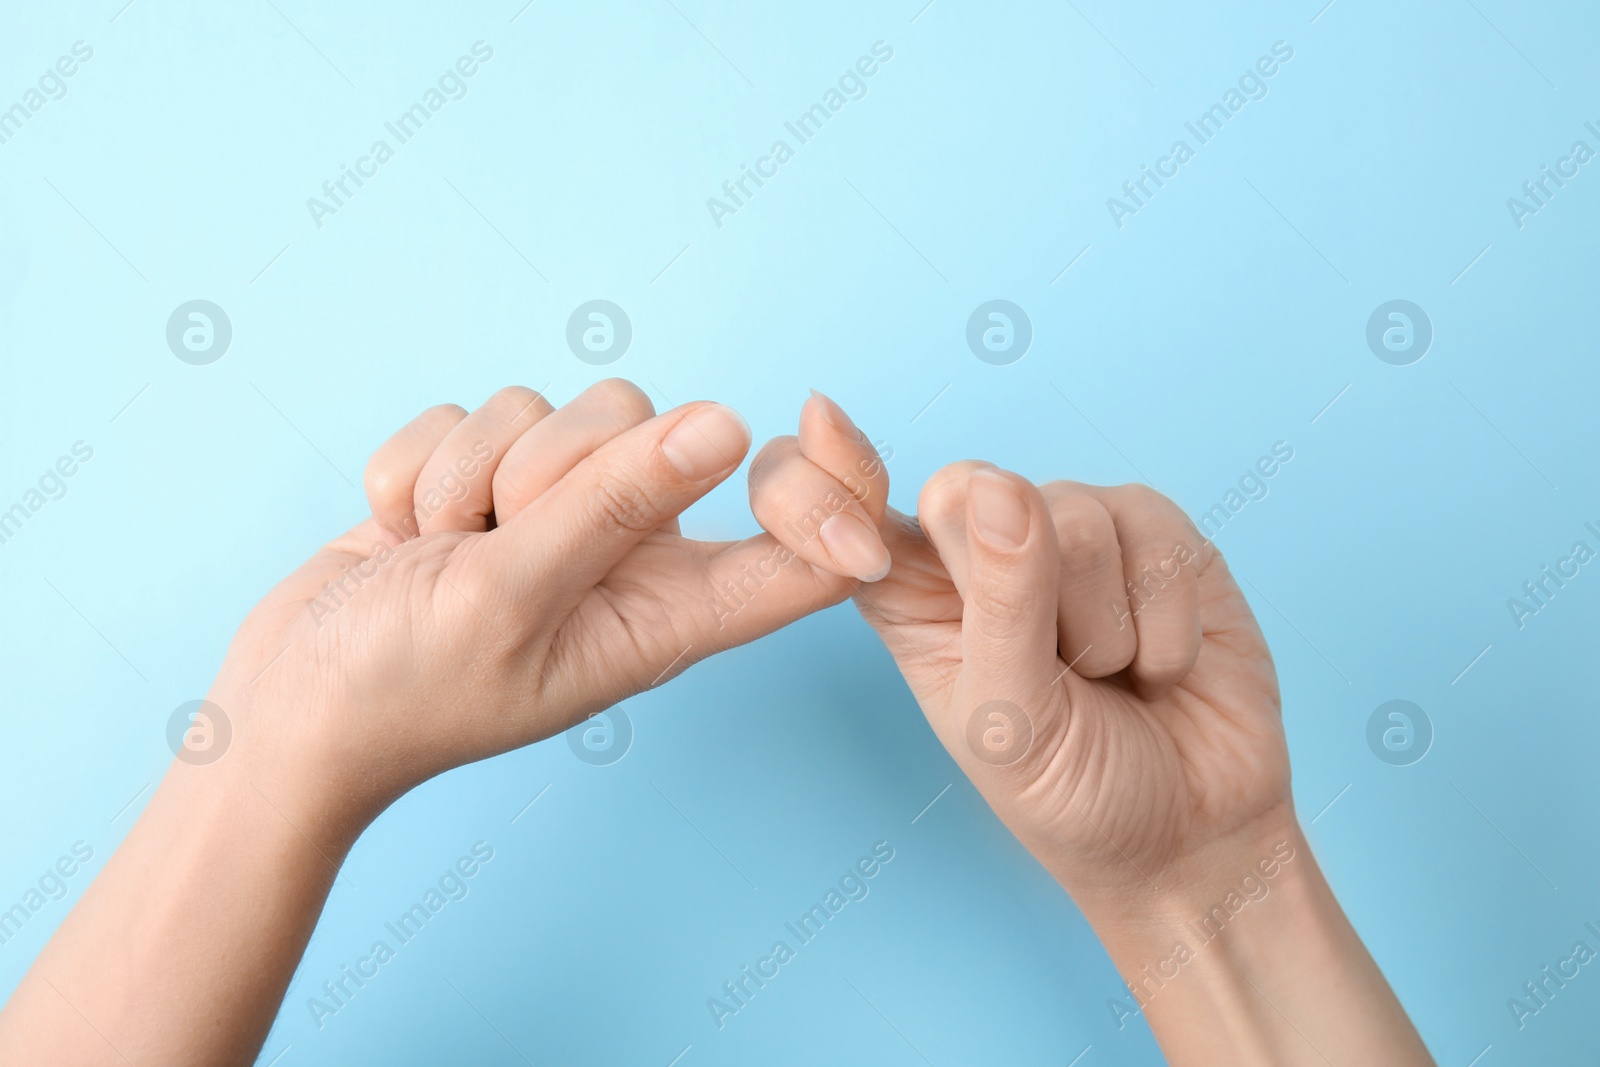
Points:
[(1088, 661), (1082, 652)]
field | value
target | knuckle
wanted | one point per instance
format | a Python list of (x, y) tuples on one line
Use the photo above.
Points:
[(773, 455), (512, 400), (625, 505), (464, 589), (1000, 611), (442, 416), (1120, 652), (1058, 488), (384, 485), (1163, 661), (623, 397), (1140, 497), (1053, 491), (1082, 525), (945, 492), (475, 591), (1106, 657), (483, 613), (1161, 673)]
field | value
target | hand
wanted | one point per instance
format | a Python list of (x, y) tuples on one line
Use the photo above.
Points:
[(1081, 651), (522, 569), (1086, 658)]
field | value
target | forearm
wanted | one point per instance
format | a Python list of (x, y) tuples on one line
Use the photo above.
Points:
[(181, 949), (1250, 960)]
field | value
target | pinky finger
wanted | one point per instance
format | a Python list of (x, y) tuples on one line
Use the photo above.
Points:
[(813, 514), (834, 443)]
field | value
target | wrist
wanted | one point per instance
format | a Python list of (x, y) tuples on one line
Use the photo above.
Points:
[(1242, 955), (276, 762), (1235, 872), (1216, 957), (1189, 940)]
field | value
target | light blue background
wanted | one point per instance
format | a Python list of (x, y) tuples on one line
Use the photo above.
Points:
[(1223, 317)]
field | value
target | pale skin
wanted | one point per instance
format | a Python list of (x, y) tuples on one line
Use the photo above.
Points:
[(1156, 779), (523, 568)]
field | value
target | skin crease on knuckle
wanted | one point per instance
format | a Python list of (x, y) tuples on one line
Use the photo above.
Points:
[(1085, 544), (766, 469), (1004, 607), (1084, 530), (944, 520), (945, 494), (1109, 649), (625, 504), (1162, 663)]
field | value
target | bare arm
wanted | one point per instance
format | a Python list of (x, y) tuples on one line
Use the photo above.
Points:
[(1246, 957), (206, 907), (522, 569)]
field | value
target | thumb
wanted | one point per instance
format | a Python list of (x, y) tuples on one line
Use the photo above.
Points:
[(1008, 618)]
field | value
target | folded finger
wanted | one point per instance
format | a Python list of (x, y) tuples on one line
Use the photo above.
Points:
[(391, 474), (454, 490), (542, 457), (1160, 561), (581, 527), (1095, 627)]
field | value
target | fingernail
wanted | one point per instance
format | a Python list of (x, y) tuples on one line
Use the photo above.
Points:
[(855, 547), (707, 442), (836, 417), (999, 511)]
